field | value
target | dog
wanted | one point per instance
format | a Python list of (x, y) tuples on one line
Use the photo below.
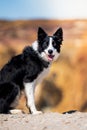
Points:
[(24, 71)]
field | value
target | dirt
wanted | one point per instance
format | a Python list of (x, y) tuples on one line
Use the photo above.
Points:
[(46, 121)]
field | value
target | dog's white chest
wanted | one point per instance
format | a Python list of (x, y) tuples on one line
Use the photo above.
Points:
[(42, 75)]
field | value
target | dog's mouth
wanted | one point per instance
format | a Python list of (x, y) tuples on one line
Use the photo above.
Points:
[(50, 57)]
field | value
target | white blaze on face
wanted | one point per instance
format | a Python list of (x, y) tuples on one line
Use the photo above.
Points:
[(50, 47)]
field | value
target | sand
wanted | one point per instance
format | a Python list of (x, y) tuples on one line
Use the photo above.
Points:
[(46, 121)]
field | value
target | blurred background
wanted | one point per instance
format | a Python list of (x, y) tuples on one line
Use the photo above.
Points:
[(65, 87)]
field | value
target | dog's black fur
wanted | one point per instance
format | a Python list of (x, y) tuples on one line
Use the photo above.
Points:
[(22, 68)]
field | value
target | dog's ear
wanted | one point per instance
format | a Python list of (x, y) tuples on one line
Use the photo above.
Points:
[(59, 34), (41, 34)]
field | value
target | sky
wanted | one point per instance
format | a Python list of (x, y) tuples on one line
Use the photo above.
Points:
[(43, 9)]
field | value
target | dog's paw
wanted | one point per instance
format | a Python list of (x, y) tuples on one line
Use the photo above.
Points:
[(37, 112), (16, 111)]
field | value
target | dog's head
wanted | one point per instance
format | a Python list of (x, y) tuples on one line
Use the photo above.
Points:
[(48, 47)]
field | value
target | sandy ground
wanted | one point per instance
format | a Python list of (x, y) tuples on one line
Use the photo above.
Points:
[(46, 121)]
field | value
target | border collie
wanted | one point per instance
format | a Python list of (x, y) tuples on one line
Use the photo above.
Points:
[(24, 71)]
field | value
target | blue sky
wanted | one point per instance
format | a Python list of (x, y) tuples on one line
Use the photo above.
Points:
[(43, 9)]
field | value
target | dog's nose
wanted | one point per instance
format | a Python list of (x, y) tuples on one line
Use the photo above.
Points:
[(50, 51)]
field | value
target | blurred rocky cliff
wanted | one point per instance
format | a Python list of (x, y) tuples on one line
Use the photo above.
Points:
[(65, 88)]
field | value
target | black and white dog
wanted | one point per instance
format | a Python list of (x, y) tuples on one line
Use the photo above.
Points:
[(24, 71)]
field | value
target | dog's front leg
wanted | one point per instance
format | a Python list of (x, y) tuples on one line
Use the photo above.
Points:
[(29, 91)]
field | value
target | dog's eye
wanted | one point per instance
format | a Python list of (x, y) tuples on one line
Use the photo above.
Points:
[(54, 44), (45, 44)]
